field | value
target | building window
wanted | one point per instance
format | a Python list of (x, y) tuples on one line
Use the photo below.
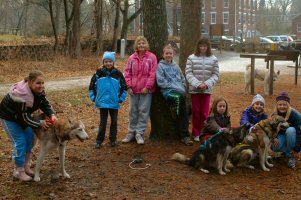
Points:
[(213, 18), (299, 27), (226, 17), (203, 17), (213, 3), (226, 3)]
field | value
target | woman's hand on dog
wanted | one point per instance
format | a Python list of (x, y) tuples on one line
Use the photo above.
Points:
[(45, 124)]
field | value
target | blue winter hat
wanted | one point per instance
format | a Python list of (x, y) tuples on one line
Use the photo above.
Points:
[(259, 98), (109, 56)]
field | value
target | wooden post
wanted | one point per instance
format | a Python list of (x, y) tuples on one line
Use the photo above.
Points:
[(271, 83), (252, 75), (296, 72)]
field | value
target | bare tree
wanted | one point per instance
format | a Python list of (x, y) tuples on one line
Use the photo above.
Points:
[(116, 25), (75, 42), (127, 20), (99, 24), (155, 30), (190, 28)]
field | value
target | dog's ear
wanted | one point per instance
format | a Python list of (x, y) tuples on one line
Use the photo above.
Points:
[(70, 122)]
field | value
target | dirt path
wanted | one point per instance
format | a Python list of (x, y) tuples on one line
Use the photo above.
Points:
[(56, 85)]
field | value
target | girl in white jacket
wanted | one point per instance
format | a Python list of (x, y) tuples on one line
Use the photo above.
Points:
[(202, 72)]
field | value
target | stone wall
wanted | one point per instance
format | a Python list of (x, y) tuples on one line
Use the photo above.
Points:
[(38, 52)]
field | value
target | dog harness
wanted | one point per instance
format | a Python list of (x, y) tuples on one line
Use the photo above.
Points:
[(209, 141)]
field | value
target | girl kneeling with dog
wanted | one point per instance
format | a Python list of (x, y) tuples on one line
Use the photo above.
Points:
[(289, 139), (255, 112), (218, 119), (16, 111)]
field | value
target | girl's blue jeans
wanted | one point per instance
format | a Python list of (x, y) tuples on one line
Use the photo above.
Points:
[(287, 142), (22, 140)]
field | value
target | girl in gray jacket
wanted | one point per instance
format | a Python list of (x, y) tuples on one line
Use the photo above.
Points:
[(202, 73), (172, 83)]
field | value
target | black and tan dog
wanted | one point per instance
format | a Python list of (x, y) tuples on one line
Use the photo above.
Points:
[(215, 151), (258, 142)]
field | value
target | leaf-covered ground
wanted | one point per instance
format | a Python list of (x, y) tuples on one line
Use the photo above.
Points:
[(105, 173)]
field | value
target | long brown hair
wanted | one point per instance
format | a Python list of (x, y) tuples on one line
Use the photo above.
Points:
[(213, 109), (205, 41), (33, 75)]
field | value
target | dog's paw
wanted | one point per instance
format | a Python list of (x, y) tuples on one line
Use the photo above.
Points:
[(37, 179), (265, 169), (227, 170), (269, 164), (222, 173), (250, 167), (204, 170), (66, 175)]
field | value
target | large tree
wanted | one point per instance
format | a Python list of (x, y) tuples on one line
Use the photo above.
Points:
[(190, 28), (75, 42), (155, 30)]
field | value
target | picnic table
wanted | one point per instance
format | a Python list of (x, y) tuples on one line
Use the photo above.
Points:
[(270, 58)]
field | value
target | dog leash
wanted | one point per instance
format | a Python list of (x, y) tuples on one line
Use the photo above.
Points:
[(138, 160)]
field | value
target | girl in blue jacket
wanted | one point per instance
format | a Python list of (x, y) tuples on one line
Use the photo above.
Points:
[(108, 89), (255, 112)]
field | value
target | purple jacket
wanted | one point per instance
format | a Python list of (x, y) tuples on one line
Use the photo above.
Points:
[(141, 73)]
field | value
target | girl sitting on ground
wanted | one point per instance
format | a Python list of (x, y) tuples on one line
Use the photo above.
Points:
[(218, 119), (289, 139), (255, 112)]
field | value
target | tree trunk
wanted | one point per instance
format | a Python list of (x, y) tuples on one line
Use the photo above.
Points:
[(53, 25), (190, 29), (68, 19), (76, 49), (98, 24), (175, 18), (155, 30), (116, 25)]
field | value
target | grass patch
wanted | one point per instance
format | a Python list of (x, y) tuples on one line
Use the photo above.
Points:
[(8, 38)]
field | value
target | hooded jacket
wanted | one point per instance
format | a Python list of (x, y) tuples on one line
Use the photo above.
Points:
[(170, 78), (108, 88), (140, 73), (250, 116), (19, 108)]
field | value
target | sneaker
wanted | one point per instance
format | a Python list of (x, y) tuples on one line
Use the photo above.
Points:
[(98, 146), (187, 141), (114, 143), (128, 138), (139, 139), (291, 162), (196, 138)]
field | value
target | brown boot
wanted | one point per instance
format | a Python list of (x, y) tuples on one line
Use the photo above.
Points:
[(19, 173), (27, 166)]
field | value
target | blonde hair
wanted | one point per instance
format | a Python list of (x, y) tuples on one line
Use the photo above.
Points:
[(213, 109), (139, 38)]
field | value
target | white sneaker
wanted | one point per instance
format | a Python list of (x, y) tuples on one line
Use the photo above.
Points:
[(129, 137), (196, 138), (139, 139)]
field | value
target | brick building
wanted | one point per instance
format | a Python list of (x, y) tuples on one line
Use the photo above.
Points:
[(296, 26), (238, 16)]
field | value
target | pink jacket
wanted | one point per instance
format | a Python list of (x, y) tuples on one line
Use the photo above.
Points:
[(141, 73)]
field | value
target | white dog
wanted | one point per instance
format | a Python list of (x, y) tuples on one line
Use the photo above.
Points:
[(260, 74), (57, 136)]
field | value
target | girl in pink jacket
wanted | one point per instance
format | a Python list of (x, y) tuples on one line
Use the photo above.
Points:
[(140, 76)]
